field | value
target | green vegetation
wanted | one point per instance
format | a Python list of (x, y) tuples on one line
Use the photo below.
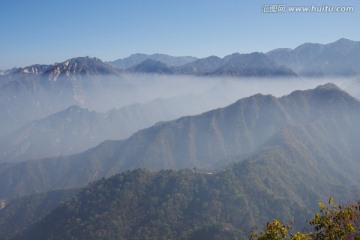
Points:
[(145, 205), (184, 204), (21, 213), (333, 222)]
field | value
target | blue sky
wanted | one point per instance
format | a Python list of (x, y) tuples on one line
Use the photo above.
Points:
[(39, 31)]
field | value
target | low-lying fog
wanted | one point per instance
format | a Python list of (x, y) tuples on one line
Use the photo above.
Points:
[(220, 91)]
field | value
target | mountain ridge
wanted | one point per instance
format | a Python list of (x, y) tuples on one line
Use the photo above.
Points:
[(333, 59), (136, 59), (150, 66), (236, 65), (203, 141), (183, 204), (76, 128), (336, 59)]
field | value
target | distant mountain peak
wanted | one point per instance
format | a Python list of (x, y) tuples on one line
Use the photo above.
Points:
[(152, 61), (327, 98), (344, 40), (151, 66), (79, 66), (137, 58), (309, 47), (344, 46), (75, 108), (253, 64), (82, 61), (328, 86), (279, 50)]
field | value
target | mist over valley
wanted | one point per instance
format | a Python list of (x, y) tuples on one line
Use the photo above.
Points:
[(177, 147)]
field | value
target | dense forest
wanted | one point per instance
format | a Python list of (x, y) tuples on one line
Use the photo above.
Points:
[(21, 213)]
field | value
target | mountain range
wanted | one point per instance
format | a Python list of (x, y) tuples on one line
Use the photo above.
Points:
[(337, 59), (80, 81), (259, 158), (39, 122), (99, 136), (37, 91), (300, 164), (241, 65), (206, 141), (76, 129), (235, 65)]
